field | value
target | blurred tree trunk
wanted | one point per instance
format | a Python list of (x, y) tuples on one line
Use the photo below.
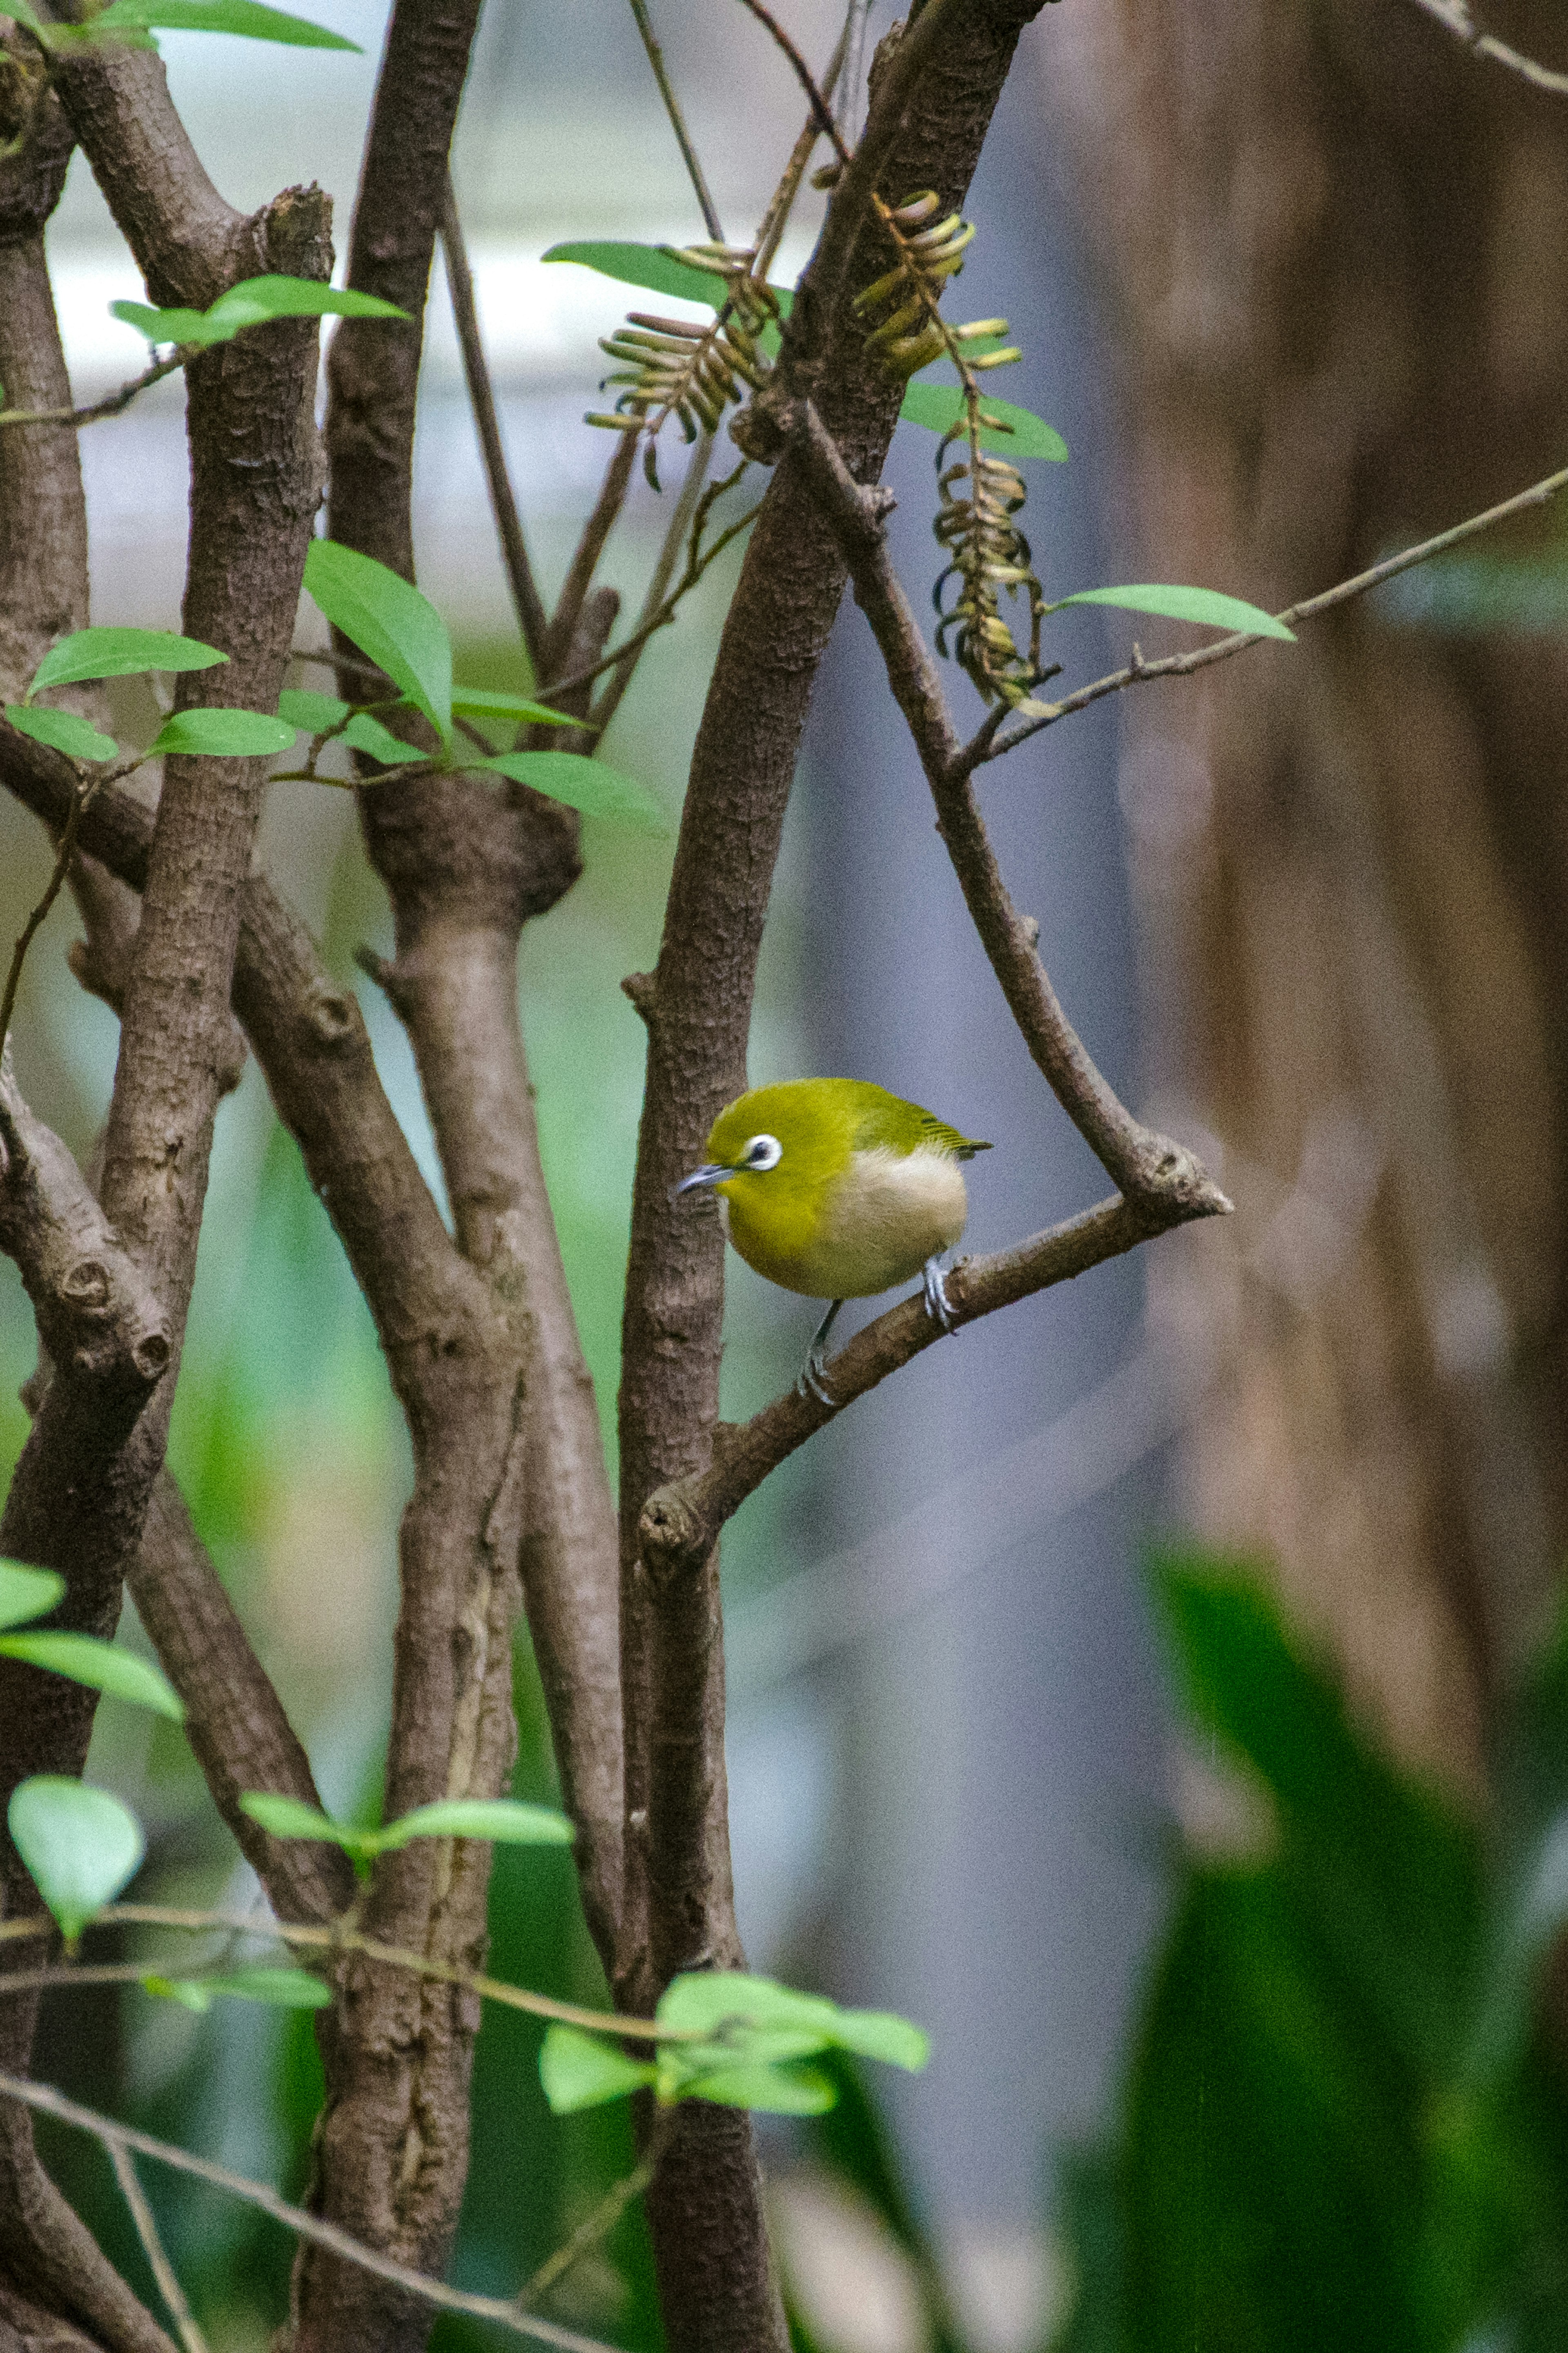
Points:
[(1336, 247)]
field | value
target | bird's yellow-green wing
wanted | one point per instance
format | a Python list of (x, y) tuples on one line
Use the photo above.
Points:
[(887, 1120)]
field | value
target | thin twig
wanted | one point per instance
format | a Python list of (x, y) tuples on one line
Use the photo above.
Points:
[(604, 2217), (311, 1937), (1456, 17), (818, 104), (111, 405), (529, 605), (31, 927), (585, 557), (163, 2270), (505, 2311), (658, 585), (677, 119), (782, 202), (1183, 665)]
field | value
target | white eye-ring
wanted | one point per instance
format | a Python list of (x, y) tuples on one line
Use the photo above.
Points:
[(763, 1151)]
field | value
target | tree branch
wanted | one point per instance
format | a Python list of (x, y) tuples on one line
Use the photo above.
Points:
[(928, 123), (677, 119), (989, 746), (526, 603), (158, 2263), (1454, 16), (504, 2311), (1137, 1160)]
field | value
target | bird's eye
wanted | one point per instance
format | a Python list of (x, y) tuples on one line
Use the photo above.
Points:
[(763, 1151)]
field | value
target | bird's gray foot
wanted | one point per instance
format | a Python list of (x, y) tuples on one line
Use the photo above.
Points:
[(811, 1382), (937, 1306)]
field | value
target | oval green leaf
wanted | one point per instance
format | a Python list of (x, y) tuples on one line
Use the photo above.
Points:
[(503, 1819), (283, 1988), (81, 1845), (164, 326), (587, 784), (274, 297), (658, 268), (388, 619), (782, 2091), (248, 18), (62, 731), (291, 1818), (85, 1659), (941, 405), (119, 653), (704, 2000), (317, 714), (27, 1592), (479, 702), (222, 734), (365, 733), (1174, 604), (578, 2071), (880, 2034)]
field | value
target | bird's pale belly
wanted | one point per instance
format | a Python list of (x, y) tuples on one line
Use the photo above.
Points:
[(890, 1213)]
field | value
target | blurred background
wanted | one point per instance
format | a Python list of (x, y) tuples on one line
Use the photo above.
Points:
[(1305, 914)]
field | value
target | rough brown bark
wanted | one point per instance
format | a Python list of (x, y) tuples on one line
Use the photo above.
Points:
[(1335, 248)]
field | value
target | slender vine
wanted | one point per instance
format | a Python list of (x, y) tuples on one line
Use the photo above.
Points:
[(979, 495)]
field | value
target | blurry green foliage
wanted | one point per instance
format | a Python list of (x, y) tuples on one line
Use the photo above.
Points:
[(1342, 2123)]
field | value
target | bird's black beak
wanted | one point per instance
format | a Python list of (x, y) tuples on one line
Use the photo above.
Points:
[(710, 1172)]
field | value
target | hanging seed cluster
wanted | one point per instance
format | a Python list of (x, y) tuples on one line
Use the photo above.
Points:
[(674, 367), (978, 496)]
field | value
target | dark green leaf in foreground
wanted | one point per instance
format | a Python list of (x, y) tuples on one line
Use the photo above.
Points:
[(1175, 604), (27, 1592), (81, 1845), (941, 405), (587, 784), (390, 622), (223, 734), (86, 1660), (119, 653), (62, 731), (248, 18)]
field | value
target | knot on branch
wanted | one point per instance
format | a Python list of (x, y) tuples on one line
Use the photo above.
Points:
[(334, 1018), (764, 427), (1169, 1184), (674, 1537), (642, 989)]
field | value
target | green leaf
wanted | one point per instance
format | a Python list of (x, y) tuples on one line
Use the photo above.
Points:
[(27, 1592), (317, 714), (291, 1818), (941, 405), (85, 1659), (781, 2091), (656, 269), (366, 733), (706, 2000), (119, 653), (587, 784), (20, 13), (480, 702), (880, 2034), (503, 1819), (164, 326), (1173, 604), (283, 1988), (81, 1845), (248, 18), (388, 619), (62, 731), (578, 2071), (250, 305), (223, 734)]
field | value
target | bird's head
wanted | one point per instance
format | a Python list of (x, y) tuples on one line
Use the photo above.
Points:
[(777, 1146)]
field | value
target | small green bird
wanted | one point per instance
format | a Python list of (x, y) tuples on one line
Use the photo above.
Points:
[(836, 1188)]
